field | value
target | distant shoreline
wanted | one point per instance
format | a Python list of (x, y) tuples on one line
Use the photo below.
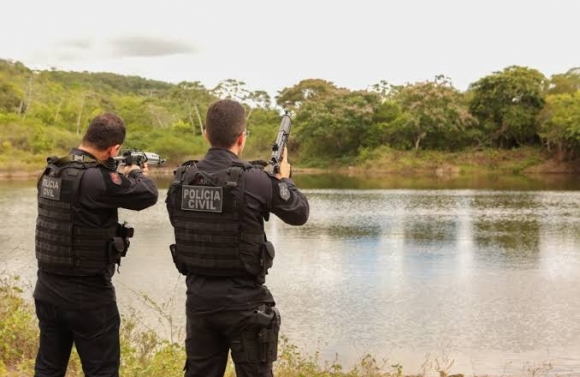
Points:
[(522, 161), (548, 169)]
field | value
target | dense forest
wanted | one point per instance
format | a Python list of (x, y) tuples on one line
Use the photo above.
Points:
[(46, 112)]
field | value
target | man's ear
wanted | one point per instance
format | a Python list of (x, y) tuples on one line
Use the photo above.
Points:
[(240, 139), (114, 150)]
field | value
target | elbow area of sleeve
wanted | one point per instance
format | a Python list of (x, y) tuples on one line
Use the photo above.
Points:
[(299, 217), (303, 219)]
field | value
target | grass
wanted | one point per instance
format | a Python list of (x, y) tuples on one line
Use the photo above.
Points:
[(145, 354), (471, 161)]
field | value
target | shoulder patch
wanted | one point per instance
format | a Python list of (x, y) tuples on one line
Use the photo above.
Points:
[(202, 198), (284, 191), (116, 178), (50, 187)]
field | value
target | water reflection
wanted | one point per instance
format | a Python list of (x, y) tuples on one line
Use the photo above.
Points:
[(490, 277), (509, 227), (476, 270), (478, 182)]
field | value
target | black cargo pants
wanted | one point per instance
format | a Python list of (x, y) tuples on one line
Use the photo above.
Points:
[(251, 335), (95, 334)]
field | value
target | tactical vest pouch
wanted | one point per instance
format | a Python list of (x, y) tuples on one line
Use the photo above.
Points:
[(117, 249), (180, 266), (268, 255)]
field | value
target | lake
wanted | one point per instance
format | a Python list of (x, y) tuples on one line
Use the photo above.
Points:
[(481, 272)]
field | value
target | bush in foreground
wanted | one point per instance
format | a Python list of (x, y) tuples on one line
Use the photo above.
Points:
[(145, 354)]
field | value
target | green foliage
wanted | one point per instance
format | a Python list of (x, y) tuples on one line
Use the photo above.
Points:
[(311, 90), (18, 340), (46, 113), (560, 124), (9, 97), (435, 115), (428, 162), (264, 125), (563, 83), (107, 82), (336, 125), (507, 104), (172, 146), (190, 101), (143, 352)]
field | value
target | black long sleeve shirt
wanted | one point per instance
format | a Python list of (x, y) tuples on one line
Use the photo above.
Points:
[(264, 194), (99, 191)]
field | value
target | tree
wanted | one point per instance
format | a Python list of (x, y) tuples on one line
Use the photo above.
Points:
[(9, 97), (568, 82), (192, 99), (306, 90), (258, 99), (336, 124), (264, 125), (434, 114), (384, 89), (231, 89), (560, 124), (507, 104), (236, 90)]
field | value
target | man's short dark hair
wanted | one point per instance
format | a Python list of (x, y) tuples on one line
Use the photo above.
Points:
[(224, 122), (104, 131)]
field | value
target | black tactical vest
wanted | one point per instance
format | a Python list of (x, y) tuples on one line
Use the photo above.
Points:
[(62, 245), (207, 213)]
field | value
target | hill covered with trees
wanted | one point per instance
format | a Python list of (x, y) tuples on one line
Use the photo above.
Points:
[(46, 112)]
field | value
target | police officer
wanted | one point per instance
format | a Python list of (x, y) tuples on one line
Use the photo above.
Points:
[(217, 207), (78, 243)]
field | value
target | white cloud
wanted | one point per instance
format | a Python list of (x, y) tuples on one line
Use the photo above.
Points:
[(272, 44)]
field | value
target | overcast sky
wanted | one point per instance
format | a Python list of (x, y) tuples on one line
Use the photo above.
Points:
[(273, 44)]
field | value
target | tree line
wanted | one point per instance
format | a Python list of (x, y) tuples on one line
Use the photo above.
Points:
[(47, 111)]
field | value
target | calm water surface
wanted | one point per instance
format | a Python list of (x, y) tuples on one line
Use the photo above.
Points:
[(482, 272)]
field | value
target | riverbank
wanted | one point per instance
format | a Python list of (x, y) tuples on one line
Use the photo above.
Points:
[(525, 160), (386, 161), (145, 354)]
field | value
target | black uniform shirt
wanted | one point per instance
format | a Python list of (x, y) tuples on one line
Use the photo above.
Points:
[(100, 190), (263, 195)]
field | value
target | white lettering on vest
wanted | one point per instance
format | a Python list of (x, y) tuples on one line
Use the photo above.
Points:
[(50, 188), (202, 198)]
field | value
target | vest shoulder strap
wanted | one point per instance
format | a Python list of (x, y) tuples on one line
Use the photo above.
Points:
[(179, 173), (78, 161)]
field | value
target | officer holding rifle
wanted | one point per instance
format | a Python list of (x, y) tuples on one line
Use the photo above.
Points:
[(217, 207), (78, 243)]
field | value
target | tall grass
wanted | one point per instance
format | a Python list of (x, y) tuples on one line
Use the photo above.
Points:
[(146, 354), (143, 352)]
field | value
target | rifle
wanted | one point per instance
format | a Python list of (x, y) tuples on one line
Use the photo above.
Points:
[(135, 157), (280, 144)]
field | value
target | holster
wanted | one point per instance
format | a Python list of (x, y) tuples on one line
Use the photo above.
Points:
[(268, 336), (118, 247), (259, 338)]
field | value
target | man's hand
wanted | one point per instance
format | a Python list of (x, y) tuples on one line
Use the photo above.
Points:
[(128, 168), (145, 169), (285, 168)]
